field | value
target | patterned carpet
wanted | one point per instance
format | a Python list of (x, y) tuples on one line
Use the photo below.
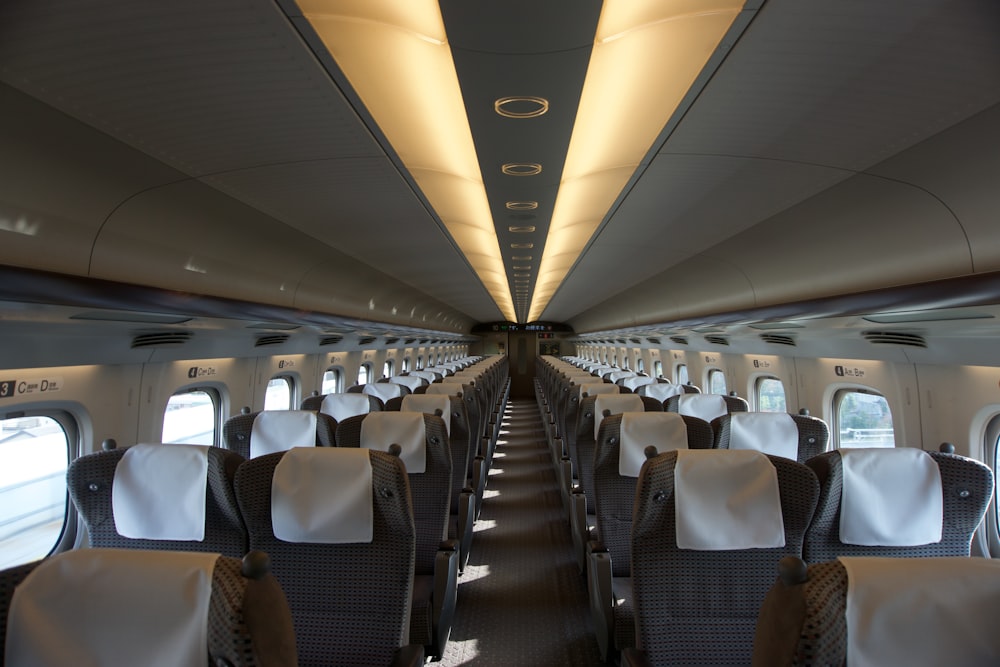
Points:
[(521, 601)]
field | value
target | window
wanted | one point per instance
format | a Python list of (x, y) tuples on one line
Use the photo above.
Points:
[(681, 373), (863, 419), (420, 361), (388, 367), (192, 417), (364, 373), (333, 382), (658, 369), (406, 364), (770, 395), (34, 453), (716, 382), (280, 393), (640, 365)]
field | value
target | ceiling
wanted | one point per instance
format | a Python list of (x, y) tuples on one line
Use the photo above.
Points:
[(802, 96)]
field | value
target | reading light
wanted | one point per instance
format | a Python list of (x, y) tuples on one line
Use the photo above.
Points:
[(522, 246), (526, 229), (521, 258), (662, 47), (522, 205), (398, 60)]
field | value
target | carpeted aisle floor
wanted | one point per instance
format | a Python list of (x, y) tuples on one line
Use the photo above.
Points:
[(521, 601)]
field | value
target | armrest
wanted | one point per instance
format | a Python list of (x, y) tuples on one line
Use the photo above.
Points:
[(445, 594), (411, 655), (601, 596), (579, 526), (479, 481), (463, 530)]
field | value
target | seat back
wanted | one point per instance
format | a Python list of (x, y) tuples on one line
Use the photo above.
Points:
[(210, 609), (430, 488), (966, 491), (150, 502), (927, 611), (349, 598), (705, 406), (412, 382), (795, 437), (342, 406), (250, 434), (614, 488), (661, 391), (698, 606), (385, 390), (460, 438)]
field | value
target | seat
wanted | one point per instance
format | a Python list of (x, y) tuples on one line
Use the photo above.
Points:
[(92, 607), (797, 437), (593, 409), (661, 391), (342, 406), (251, 434), (702, 561), (435, 586), (338, 524), (411, 382), (705, 406), (163, 497), (634, 382), (620, 449), (927, 611), (464, 499), (963, 488)]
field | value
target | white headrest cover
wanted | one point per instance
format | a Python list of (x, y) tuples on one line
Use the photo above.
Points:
[(379, 430), (616, 404), (663, 430), (343, 406), (661, 391), (449, 389), (429, 404), (280, 430), (383, 390), (618, 375), (922, 611), (323, 495), (890, 497), (158, 492), (637, 381), (430, 377), (774, 433), (595, 388), (114, 608), (702, 406), (411, 381), (726, 499), (455, 379)]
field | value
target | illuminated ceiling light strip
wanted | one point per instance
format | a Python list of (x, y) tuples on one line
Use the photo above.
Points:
[(522, 205), (523, 229), (663, 46), (398, 60)]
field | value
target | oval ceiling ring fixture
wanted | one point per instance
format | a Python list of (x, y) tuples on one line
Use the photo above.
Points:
[(521, 168), (522, 205), (521, 106)]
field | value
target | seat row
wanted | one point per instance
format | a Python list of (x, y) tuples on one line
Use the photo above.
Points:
[(697, 603), (357, 533)]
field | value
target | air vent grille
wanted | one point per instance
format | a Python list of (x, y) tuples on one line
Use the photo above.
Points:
[(717, 340), (410, 341), (637, 341), (161, 339), (680, 340), (366, 340), (778, 339), (330, 340), (894, 338), (392, 339), (622, 341), (423, 341), (270, 339), (654, 341)]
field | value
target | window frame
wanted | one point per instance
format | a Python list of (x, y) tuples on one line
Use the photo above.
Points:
[(338, 380), (73, 430), (760, 379), (218, 403), (837, 401), (293, 389), (712, 373), (677, 374)]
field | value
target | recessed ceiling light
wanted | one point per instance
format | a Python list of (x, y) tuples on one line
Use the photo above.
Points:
[(524, 229), (522, 205), (521, 258), (521, 168), (521, 268), (522, 275), (522, 246), (521, 106)]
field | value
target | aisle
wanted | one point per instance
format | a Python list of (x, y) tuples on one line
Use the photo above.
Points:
[(521, 601)]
